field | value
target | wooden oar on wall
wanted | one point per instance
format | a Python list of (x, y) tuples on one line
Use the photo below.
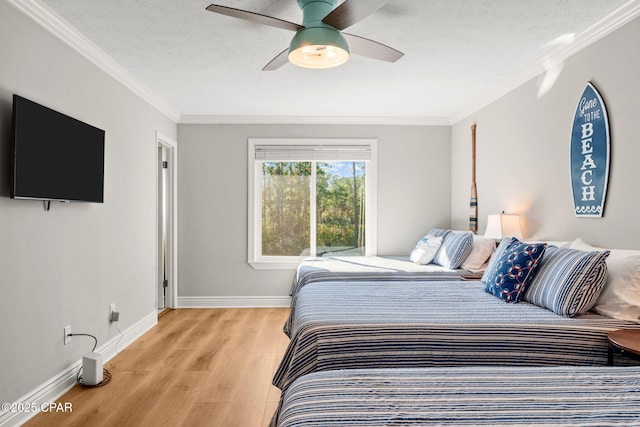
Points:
[(473, 201)]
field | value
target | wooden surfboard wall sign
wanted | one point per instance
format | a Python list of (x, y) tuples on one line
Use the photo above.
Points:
[(590, 154)]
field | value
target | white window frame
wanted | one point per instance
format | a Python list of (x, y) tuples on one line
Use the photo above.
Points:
[(254, 257)]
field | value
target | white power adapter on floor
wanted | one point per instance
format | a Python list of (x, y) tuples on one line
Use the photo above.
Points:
[(92, 373)]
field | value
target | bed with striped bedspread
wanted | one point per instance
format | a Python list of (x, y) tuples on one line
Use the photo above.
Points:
[(365, 268), (432, 324), (478, 396), (371, 268)]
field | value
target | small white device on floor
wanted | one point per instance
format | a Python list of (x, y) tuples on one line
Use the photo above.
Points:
[(92, 369)]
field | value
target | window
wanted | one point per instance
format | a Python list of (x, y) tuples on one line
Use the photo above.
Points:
[(310, 197)]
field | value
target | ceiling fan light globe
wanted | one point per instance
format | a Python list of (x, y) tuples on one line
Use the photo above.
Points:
[(319, 48)]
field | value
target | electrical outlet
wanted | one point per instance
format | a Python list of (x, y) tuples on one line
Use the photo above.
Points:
[(67, 334), (114, 316)]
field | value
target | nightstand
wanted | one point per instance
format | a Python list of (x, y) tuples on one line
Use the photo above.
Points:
[(624, 340)]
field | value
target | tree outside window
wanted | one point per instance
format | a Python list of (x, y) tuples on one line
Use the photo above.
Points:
[(287, 191)]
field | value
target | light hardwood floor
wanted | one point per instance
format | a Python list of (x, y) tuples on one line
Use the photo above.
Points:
[(197, 367)]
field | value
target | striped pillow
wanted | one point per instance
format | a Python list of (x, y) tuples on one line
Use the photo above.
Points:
[(438, 232), (568, 281), (455, 248)]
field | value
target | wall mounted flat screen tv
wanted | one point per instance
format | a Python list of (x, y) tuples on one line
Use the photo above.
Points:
[(54, 156)]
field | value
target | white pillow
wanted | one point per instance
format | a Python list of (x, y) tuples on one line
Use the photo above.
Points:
[(480, 252), (620, 298), (426, 249)]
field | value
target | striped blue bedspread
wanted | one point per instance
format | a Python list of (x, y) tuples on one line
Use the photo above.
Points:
[(426, 324), (478, 396), (364, 268), (371, 268)]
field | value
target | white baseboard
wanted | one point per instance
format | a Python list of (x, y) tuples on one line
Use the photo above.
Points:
[(118, 343), (233, 302), (55, 387)]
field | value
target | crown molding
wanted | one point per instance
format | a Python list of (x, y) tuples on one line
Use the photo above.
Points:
[(294, 120), (618, 17), (59, 28), (62, 30)]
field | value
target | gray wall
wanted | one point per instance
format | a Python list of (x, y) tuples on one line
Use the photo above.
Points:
[(523, 149), (67, 265), (413, 196)]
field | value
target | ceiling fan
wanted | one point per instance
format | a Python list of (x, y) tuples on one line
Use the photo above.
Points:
[(319, 42)]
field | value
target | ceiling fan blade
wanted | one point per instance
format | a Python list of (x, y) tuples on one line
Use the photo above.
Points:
[(277, 62), (254, 17), (372, 49), (352, 11)]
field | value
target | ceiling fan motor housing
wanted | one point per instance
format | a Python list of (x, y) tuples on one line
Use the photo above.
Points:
[(314, 11)]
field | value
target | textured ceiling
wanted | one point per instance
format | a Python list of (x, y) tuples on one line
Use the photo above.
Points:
[(202, 63)]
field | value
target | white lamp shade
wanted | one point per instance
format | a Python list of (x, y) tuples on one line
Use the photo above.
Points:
[(503, 225)]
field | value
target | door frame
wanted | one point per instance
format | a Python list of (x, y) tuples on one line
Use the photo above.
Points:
[(171, 147)]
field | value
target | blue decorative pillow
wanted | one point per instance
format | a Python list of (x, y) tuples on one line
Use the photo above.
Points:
[(455, 248), (568, 281), (491, 271), (514, 270)]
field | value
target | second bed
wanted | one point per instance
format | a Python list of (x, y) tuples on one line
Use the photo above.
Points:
[(432, 324)]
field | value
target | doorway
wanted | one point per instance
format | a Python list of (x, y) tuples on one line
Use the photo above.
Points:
[(166, 220)]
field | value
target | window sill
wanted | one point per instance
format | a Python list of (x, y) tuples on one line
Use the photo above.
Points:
[(274, 265)]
